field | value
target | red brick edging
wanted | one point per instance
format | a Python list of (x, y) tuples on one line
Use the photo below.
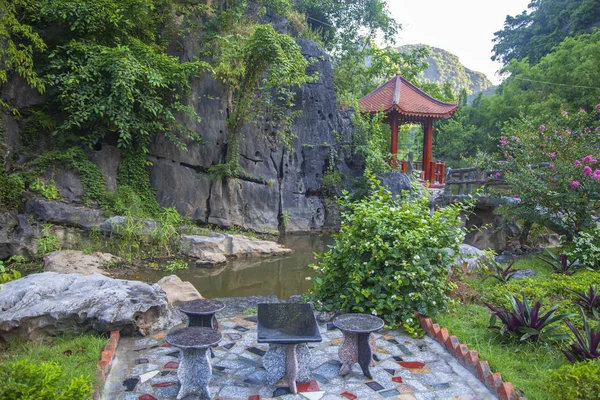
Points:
[(470, 360), (106, 359)]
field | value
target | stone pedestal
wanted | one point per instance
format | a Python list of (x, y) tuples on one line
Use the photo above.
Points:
[(290, 360)]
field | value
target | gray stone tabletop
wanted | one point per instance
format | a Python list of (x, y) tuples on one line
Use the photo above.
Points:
[(145, 368)]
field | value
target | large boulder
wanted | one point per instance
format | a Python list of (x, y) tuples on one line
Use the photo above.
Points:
[(468, 258), (77, 262), (61, 213), (178, 291), (217, 247), (53, 304)]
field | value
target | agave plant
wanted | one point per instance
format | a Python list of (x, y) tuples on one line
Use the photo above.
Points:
[(587, 344), (500, 271), (560, 264), (589, 301), (525, 320)]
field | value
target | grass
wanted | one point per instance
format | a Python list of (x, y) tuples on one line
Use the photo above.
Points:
[(523, 364), (76, 355), (527, 365)]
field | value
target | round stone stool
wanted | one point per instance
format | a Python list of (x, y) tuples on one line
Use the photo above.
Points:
[(359, 342), (194, 370), (202, 312)]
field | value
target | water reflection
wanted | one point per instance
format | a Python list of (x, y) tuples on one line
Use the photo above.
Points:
[(280, 276)]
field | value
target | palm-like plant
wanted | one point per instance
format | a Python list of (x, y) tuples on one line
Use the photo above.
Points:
[(525, 320), (588, 301), (500, 271), (560, 264), (587, 343)]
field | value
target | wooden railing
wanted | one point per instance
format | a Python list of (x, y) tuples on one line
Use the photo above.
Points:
[(436, 174), (463, 183)]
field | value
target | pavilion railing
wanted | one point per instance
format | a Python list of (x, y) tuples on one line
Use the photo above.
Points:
[(436, 174)]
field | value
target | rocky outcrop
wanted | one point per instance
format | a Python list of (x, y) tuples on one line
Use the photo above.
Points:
[(66, 214), (52, 304), (488, 230), (468, 258), (216, 248), (178, 291), (282, 184), (77, 262)]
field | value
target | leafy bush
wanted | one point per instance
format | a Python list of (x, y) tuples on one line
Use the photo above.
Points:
[(24, 380), (11, 189), (579, 381), (587, 247), (175, 265), (390, 258), (525, 321), (8, 274), (587, 343), (48, 191)]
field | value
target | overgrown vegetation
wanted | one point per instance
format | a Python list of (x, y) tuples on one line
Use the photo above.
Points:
[(401, 266), (59, 368)]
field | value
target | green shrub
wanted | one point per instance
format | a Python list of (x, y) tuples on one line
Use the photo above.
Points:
[(579, 381), (390, 258), (11, 189), (24, 380), (48, 191), (175, 265), (8, 274), (587, 248)]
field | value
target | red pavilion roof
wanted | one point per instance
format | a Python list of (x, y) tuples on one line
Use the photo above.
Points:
[(410, 102)]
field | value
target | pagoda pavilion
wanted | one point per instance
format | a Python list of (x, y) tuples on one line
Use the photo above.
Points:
[(403, 102)]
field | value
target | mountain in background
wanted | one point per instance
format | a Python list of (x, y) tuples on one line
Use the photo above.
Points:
[(446, 67)]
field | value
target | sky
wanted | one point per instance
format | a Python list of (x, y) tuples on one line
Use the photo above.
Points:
[(463, 27)]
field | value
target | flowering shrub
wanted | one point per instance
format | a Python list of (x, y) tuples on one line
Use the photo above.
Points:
[(390, 258), (554, 169)]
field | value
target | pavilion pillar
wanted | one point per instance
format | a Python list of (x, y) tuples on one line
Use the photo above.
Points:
[(427, 149), (394, 144)]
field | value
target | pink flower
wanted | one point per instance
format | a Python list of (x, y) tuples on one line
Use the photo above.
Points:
[(551, 166), (516, 196), (503, 141), (597, 174), (577, 163), (498, 174), (552, 155), (542, 127), (566, 114), (574, 184), (582, 110), (598, 107), (587, 171), (587, 158)]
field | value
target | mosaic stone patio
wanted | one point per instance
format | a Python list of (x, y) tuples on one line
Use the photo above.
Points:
[(405, 368)]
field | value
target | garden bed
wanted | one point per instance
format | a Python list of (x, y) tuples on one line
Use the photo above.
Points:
[(531, 365)]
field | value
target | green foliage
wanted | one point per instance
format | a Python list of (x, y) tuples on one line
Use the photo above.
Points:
[(23, 379), (551, 170), (12, 188), (48, 242), (579, 381), (586, 345), (8, 274), (174, 266), (531, 35), (587, 247), (19, 41), (167, 233), (389, 258), (77, 357), (48, 191), (499, 271), (135, 192), (371, 141)]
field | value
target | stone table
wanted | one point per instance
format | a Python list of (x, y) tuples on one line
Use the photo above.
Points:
[(202, 312), (287, 327), (194, 369), (359, 342)]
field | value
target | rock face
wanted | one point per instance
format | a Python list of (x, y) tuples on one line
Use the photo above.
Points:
[(77, 262), (395, 182), (282, 182), (216, 248), (67, 214), (51, 304), (178, 291), (468, 258), (497, 234)]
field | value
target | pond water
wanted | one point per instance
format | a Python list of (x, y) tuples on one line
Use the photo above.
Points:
[(279, 276)]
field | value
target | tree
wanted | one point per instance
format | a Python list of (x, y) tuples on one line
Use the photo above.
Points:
[(533, 34)]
